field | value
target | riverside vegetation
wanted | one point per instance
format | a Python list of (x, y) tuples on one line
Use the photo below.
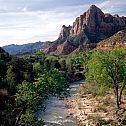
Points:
[(27, 81), (102, 99)]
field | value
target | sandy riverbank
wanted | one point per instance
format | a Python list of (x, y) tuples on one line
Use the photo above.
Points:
[(95, 111)]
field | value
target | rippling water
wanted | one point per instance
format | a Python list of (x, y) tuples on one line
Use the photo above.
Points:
[(56, 113)]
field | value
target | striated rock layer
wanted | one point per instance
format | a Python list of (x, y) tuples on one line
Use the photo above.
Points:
[(91, 27), (118, 39)]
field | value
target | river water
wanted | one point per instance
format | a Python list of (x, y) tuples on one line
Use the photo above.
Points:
[(56, 113)]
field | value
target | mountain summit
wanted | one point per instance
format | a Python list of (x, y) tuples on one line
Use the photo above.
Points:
[(88, 29)]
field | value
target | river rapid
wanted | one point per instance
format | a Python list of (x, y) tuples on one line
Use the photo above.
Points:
[(56, 113)]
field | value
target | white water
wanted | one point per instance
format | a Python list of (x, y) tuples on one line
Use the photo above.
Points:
[(56, 113)]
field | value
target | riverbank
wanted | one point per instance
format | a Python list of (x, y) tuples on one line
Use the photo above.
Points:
[(90, 110)]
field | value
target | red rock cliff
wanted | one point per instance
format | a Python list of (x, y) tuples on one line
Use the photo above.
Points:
[(92, 27)]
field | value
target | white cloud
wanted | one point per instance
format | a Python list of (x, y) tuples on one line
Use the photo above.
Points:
[(113, 6), (25, 26), (20, 25)]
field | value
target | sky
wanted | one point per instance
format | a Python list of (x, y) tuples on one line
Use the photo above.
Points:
[(28, 21)]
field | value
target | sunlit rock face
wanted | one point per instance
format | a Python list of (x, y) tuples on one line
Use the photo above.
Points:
[(90, 27)]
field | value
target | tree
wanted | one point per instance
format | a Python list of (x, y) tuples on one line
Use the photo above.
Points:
[(30, 96), (51, 62), (62, 63), (28, 99), (78, 61), (52, 82), (11, 79), (109, 68), (23, 69)]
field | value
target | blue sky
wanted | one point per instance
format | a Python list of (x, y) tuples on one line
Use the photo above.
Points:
[(26, 21)]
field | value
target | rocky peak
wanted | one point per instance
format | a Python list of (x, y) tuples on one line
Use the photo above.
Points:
[(94, 17), (94, 9), (89, 20), (65, 32), (93, 22), (92, 26)]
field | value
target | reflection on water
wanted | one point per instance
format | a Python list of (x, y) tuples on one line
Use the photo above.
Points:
[(56, 112)]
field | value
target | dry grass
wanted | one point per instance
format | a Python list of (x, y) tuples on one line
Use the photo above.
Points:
[(97, 109)]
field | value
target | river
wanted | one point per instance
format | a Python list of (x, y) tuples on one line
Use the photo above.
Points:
[(56, 113)]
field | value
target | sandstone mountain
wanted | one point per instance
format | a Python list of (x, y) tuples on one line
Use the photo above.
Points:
[(118, 39), (88, 29)]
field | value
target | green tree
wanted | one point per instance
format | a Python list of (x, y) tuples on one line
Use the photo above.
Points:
[(53, 82), (109, 68), (11, 79), (30, 96), (62, 63), (78, 61), (51, 62)]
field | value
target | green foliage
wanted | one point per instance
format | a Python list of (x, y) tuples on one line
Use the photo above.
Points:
[(29, 80), (23, 69), (109, 69), (54, 81), (78, 62), (4, 56), (35, 58), (62, 63), (27, 95), (28, 119), (103, 66), (39, 57), (31, 95), (51, 62), (51, 58), (38, 68), (11, 79), (96, 69)]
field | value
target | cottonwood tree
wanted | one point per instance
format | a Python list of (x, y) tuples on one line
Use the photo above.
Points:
[(109, 68)]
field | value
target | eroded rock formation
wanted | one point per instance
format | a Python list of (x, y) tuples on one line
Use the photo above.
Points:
[(90, 27)]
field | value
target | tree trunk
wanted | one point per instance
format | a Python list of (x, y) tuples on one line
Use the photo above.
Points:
[(117, 97), (121, 91)]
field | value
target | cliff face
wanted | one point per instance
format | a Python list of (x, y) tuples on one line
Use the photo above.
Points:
[(65, 32), (91, 27), (87, 22), (118, 39)]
